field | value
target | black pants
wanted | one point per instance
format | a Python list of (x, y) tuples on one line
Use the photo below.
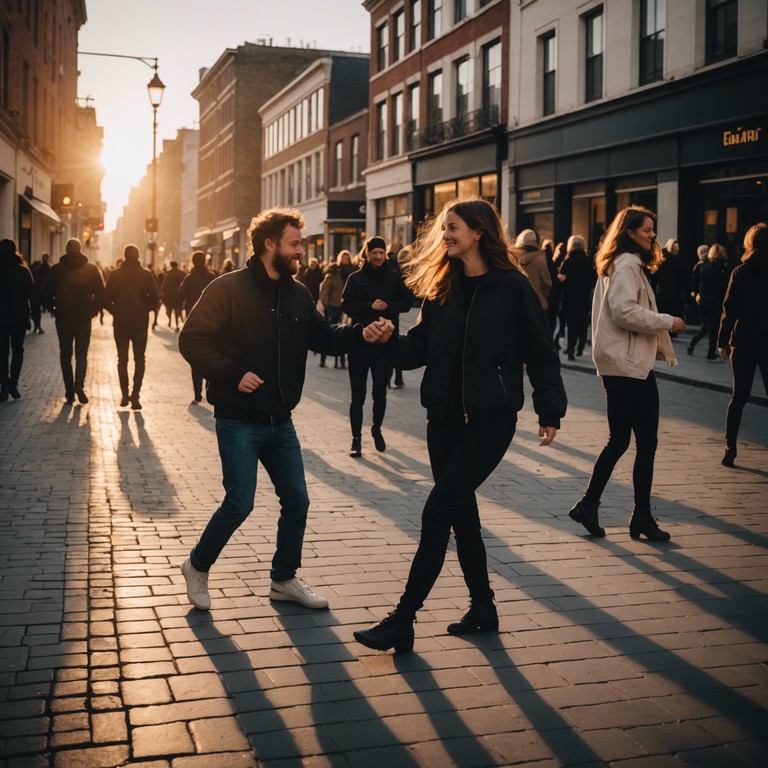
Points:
[(462, 456), (11, 341), (333, 316), (577, 337), (710, 325), (358, 368), (744, 363), (197, 385), (79, 335), (125, 336), (633, 406)]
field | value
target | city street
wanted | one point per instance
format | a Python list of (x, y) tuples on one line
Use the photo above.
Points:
[(611, 652)]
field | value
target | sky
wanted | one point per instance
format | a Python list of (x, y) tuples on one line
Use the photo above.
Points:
[(184, 35)]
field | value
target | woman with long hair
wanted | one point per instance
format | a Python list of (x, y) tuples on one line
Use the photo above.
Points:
[(481, 325), (743, 336), (628, 336)]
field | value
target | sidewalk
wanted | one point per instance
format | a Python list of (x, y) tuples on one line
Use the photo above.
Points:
[(611, 652)]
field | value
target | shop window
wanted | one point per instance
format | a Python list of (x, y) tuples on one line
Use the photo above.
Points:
[(593, 25), (398, 40), (588, 213), (722, 29), (549, 72), (434, 18), (636, 190), (394, 220), (382, 47), (653, 15), (414, 38)]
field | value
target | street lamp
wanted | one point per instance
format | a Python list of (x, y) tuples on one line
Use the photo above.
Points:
[(155, 88)]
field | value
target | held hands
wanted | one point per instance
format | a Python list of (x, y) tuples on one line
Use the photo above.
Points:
[(678, 325), (250, 382), (379, 331), (379, 305), (548, 433)]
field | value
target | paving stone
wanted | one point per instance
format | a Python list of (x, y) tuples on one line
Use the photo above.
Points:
[(167, 739), (218, 734)]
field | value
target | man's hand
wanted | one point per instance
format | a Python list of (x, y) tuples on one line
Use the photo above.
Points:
[(250, 382), (379, 305), (725, 353), (548, 433), (379, 331)]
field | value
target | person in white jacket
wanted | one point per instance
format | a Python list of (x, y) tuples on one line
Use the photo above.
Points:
[(628, 336)]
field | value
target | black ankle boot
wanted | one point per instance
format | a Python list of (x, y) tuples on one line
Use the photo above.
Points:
[(391, 632), (585, 512), (378, 439), (481, 617), (729, 456), (357, 447), (642, 523)]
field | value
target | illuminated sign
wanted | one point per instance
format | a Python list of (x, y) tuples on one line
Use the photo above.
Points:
[(741, 136)]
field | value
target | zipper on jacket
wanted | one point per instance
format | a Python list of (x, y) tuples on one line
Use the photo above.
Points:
[(464, 358), (501, 380)]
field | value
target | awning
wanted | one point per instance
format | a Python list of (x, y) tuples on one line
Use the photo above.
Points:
[(43, 208)]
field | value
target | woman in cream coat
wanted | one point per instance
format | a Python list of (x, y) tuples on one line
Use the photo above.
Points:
[(628, 336)]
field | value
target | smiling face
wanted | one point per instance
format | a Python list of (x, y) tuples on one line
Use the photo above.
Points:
[(458, 238), (289, 252), (376, 257), (644, 235)]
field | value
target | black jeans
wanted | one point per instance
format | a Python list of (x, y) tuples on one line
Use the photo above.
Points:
[(358, 368), (125, 335), (462, 456), (79, 335), (710, 325), (633, 406), (577, 337), (744, 363), (11, 341)]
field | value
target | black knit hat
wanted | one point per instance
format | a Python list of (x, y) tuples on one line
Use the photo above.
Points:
[(375, 242)]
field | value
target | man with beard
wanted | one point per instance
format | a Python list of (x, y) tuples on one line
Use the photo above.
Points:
[(248, 336)]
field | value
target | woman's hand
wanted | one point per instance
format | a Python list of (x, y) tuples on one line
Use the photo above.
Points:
[(678, 325), (548, 433)]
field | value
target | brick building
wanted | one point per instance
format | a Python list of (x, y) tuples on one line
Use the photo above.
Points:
[(315, 137)]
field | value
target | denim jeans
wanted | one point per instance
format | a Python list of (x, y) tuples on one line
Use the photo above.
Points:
[(242, 445)]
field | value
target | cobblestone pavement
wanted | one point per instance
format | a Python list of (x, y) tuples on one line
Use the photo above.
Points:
[(611, 652)]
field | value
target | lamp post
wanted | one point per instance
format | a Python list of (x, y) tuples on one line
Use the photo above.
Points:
[(156, 88)]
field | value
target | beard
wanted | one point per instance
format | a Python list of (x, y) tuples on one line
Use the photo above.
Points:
[(283, 264)]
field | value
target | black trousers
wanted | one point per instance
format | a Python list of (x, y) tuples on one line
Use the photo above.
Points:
[(462, 456), (633, 406), (710, 325), (11, 342), (79, 336), (744, 363), (125, 336), (358, 367)]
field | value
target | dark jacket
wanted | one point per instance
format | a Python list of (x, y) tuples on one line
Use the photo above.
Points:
[(131, 294), (231, 329), (17, 293), (713, 283), (74, 289), (194, 284), (172, 280), (366, 285), (671, 280), (506, 329), (744, 323), (312, 279), (576, 289)]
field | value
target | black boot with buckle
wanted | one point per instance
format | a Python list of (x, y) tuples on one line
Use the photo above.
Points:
[(642, 523), (392, 632), (481, 617)]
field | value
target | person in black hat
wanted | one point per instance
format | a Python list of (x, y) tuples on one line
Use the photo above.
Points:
[(374, 291)]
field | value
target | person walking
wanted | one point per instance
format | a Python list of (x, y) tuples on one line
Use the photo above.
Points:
[(130, 295), (17, 299), (628, 335), (312, 276), (330, 297), (743, 332), (695, 286), (534, 262), (74, 294), (190, 290), (671, 282), (172, 280), (346, 267), (713, 283), (481, 325), (576, 278), (248, 336), (375, 290)]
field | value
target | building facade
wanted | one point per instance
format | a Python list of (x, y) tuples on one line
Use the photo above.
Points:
[(188, 189), (438, 107), (40, 175), (315, 134)]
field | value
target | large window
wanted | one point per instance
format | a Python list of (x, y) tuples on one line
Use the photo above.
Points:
[(653, 14), (338, 167), (434, 18), (463, 86), (414, 38), (397, 123), (549, 73), (435, 103), (381, 130), (492, 82), (459, 10), (594, 56), (355, 173), (382, 47), (412, 126), (722, 29), (398, 41)]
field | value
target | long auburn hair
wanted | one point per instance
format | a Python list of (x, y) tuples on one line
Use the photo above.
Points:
[(756, 241), (616, 240), (429, 273)]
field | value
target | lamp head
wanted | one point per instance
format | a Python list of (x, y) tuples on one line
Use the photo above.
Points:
[(156, 88)]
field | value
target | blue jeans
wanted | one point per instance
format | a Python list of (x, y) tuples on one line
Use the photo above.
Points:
[(242, 445)]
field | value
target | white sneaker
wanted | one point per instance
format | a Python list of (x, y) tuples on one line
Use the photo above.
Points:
[(295, 592), (197, 586)]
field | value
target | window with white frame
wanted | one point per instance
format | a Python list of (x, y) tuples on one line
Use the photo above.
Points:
[(397, 124), (653, 15), (414, 38), (398, 40), (549, 73), (593, 80)]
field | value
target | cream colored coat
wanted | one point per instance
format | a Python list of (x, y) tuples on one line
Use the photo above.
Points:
[(628, 333)]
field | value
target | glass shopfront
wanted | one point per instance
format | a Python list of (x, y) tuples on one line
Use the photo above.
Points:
[(437, 195), (394, 219), (537, 212)]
